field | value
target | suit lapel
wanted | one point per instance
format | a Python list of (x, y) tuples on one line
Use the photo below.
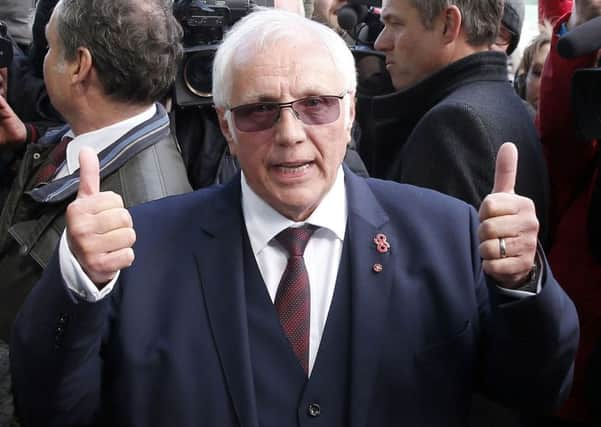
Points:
[(221, 269), (370, 290)]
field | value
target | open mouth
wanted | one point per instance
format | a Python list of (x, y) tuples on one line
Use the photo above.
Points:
[(293, 168)]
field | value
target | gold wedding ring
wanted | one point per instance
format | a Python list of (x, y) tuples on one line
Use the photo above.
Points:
[(502, 247)]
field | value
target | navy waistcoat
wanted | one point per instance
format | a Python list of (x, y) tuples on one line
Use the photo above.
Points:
[(284, 396)]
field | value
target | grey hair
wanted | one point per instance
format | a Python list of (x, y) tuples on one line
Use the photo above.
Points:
[(480, 18), (255, 30), (135, 44)]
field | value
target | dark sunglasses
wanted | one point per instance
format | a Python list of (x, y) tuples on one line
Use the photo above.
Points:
[(312, 110)]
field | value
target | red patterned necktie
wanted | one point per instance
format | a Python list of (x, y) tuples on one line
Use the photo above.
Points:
[(293, 298), (56, 157)]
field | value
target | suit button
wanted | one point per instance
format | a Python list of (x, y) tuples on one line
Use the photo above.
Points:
[(63, 319), (314, 409)]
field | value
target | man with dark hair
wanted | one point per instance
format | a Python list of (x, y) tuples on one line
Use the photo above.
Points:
[(107, 65), (454, 106), (511, 26)]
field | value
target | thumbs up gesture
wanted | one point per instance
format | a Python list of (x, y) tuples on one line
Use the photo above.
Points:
[(99, 229), (508, 229)]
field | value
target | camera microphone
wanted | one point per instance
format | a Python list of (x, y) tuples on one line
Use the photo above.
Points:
[(350, 15), (582, 40)]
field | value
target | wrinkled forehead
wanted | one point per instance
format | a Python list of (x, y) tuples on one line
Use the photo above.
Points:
[(278, 68)]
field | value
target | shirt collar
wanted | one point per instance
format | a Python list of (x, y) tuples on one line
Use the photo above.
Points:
[(101, 138), (263, 222)]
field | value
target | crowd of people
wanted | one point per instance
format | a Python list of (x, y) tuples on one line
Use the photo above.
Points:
[(297, 250)]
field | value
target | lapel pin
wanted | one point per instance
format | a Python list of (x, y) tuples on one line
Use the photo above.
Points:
[(381, 242), (377, 268)]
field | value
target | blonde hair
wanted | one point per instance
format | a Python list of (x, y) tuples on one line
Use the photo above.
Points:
[(543, 38)]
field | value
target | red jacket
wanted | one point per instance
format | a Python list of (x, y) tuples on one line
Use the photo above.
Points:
[(572, 169), (551, 10)]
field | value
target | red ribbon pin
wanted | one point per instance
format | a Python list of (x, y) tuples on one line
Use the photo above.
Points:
[(381, 242)]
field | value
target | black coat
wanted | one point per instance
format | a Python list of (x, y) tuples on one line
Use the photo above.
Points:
[(444, 133)]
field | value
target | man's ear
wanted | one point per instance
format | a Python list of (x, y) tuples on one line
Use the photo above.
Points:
[(452, 20), (82, 66), (225, 130), (350, 119)]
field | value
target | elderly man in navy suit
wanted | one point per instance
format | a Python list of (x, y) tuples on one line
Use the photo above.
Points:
[(298, 294)]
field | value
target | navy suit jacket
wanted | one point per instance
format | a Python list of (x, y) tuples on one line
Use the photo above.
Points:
[(170, 345)]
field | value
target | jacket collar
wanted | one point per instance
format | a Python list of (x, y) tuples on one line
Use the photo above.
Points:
[(416, 100), (226, 208), (111, 158), (370, 290)]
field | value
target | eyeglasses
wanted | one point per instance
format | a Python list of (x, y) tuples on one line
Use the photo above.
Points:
[(312, 110)]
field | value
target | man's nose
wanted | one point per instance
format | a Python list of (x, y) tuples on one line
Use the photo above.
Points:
[(289, 127), (382, 42)]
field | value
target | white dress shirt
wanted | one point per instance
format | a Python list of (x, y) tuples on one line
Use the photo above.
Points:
[(100, 139), (322, 254), (263, 223)]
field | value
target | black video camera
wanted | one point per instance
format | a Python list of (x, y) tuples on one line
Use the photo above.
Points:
[(204, 23), (361, 21), (6, 46), (586, 83)]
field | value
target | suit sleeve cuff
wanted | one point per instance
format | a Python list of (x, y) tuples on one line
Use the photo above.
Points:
[(532, 286), (76, 279)]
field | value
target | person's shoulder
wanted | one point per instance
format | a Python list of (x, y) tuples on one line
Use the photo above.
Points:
[(449, 121), (181, 220), (483, 104), (407, 197), (482, 96), (416, 208), (178, 207)]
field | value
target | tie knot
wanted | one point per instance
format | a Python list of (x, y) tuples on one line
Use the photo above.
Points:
[(294, 240)]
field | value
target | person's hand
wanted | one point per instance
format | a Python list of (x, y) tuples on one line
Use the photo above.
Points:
[(12, 129), (99, 229), (582, 11), (508, 225)]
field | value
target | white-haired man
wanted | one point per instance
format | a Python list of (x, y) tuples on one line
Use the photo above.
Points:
[(226, 319)]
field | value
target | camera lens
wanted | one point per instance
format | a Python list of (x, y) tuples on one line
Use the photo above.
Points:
[(198, 73)]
